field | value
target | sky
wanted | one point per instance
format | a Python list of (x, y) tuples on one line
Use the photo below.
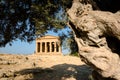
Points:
[(19, 47)]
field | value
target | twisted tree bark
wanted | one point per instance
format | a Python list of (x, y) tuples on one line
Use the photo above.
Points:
[(97, 34)]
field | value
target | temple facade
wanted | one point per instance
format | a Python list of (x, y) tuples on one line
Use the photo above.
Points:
[(48, 45)]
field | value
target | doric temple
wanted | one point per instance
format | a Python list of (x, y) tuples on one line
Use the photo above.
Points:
[(48, 45)]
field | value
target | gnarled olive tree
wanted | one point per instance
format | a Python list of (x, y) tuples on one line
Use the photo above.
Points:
[(97, 32)]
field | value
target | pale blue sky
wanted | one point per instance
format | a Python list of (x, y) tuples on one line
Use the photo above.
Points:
[(19, 47)]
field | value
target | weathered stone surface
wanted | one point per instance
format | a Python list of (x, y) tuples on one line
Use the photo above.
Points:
[(92, 30), (102, 60)]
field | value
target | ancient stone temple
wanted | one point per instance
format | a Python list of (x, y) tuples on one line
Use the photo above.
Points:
[(48, 45)]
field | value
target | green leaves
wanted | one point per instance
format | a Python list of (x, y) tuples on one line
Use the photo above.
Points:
[(40, 14)]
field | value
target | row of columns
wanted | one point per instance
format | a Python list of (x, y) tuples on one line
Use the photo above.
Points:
[(48, 47)]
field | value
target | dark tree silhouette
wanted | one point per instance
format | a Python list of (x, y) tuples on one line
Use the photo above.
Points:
[(24, 19)]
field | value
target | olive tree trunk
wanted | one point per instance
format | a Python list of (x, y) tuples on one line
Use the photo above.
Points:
[(97, 34)]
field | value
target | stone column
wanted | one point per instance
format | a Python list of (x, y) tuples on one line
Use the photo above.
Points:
[(45, 47), (50, 47), (40, 47), (60, 49), (54, 46), (57, 48)]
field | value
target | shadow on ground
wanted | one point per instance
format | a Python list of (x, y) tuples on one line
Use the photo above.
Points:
[(57, 72)]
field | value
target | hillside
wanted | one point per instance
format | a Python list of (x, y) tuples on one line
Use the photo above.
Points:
[(42, 67)]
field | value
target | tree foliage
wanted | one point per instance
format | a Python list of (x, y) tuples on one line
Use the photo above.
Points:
[(24, 19)]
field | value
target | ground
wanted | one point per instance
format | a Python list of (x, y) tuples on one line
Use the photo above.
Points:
[(42, 67)]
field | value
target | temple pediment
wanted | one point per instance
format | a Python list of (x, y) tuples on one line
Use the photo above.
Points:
[(48, 37)]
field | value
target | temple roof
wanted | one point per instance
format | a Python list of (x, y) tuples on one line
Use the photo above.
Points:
[(48, 37)]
